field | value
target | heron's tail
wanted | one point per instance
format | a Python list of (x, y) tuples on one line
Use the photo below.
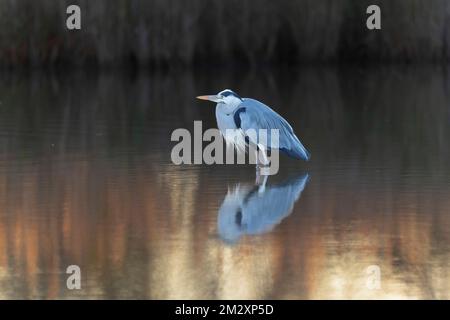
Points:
[(297, 151)]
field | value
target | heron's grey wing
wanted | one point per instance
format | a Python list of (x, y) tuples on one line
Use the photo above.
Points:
[(254, 115), (261, 212)]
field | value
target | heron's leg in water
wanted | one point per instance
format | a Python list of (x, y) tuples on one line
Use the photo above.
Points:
[(262, 186), (260, 180), (258, 176)]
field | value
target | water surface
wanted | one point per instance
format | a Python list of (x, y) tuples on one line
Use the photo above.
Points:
[(86, 179)]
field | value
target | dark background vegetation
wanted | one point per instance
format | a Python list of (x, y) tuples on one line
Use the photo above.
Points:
[(252, 32)]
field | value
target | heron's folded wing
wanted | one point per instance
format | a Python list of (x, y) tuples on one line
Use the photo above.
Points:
[(252, 115)]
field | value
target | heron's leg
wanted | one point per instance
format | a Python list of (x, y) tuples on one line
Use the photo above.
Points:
[(260, 181), (262, 187), (263, 160), (257, 158), (258, 174)]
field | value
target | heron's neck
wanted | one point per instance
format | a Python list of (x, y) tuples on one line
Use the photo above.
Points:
[(229, 107)]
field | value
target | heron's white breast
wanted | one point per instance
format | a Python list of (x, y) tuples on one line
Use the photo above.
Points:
[(225, 122)]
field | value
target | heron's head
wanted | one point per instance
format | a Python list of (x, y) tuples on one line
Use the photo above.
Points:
[(227, 97)]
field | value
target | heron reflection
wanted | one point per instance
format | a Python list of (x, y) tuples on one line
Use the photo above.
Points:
[(257, 209)]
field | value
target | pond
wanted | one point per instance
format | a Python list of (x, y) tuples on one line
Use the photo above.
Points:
[(86, 179)]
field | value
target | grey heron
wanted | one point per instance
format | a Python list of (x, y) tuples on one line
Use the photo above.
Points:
[(244, 114), (257, 209)]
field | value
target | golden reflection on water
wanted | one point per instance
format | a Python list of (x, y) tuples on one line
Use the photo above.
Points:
[(153, 234), (84, 188)]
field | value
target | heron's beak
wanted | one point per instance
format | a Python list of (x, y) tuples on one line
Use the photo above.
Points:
[(213, 98)]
